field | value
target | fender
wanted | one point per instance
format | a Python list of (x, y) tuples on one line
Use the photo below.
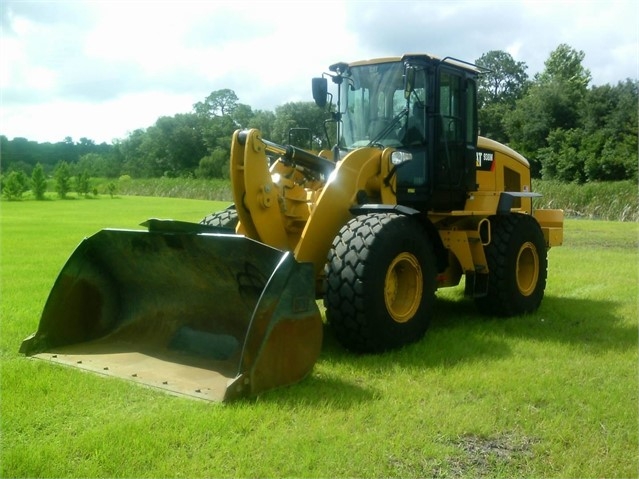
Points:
[(441, 253)]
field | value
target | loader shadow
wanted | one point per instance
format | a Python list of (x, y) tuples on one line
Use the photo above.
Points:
[(459, 334), (584, 323), (320, 390)]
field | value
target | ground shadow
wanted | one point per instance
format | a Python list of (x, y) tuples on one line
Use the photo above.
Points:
[(594, 323), (318, 389), (460, 334)]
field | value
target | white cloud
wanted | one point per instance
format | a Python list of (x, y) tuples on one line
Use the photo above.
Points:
[(101, 122), (100, 69)]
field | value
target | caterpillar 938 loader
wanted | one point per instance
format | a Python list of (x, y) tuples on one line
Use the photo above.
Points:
[(408, 201)]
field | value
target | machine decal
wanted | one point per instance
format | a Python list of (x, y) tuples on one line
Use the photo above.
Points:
[(485, 159)]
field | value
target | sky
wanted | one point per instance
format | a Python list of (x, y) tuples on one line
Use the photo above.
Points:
[(102, 69)]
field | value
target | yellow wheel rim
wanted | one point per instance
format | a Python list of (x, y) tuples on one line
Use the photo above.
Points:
[(527, 269), (403, 287)]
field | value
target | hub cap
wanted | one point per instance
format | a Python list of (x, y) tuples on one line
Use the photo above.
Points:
[(527, 272), (403, 287)]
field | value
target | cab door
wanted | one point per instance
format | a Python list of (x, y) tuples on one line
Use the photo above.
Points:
[(455, 139)]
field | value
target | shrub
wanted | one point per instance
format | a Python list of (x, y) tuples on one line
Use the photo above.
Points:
[(38, 182), (62, 179), (14, 185), (82, 185)]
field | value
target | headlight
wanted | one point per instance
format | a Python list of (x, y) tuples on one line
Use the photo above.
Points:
[(398, 157)]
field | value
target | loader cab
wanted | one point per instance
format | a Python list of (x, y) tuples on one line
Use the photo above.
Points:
[(454, 130), (426, 109)]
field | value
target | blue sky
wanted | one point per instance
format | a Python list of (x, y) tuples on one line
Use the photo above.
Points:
[(101, 69)]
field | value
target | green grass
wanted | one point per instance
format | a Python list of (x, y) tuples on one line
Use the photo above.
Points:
[(552, 394)]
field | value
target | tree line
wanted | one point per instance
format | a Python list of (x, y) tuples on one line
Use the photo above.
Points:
[(569, 130)]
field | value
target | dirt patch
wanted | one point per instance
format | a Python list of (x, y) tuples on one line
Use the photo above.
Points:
[(486, 456), (505, 455)]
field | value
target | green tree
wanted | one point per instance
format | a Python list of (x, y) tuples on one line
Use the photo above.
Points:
[(220, 115), (217, 133), (62, 177), (299, 115), (242, 115), (83, 183), (263, 120), (14, 186), (499, 88), (105, 165), (38, 182), (22, 154), (130, 155), (218, 103), (215, 165), (553, 102), (563, 158), (504, 82), (564, 65), (609, 119), (604, 146), (111, 188), (173, 146)]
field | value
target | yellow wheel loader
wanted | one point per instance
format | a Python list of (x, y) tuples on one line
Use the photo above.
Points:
[(409, 200)]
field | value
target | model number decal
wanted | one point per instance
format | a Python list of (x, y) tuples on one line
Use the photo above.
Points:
[(485, 159)]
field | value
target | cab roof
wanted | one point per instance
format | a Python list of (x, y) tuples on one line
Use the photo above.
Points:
[(417, 56)]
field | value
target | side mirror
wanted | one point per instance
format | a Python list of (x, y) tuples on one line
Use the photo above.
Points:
[(320, 91)]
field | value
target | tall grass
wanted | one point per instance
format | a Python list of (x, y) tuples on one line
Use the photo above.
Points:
[(550, 394), (611, 201), (614, 201), (199, 189)]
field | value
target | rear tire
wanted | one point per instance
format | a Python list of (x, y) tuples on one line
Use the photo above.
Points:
[(518, 266), (222, 219), (380, 282)]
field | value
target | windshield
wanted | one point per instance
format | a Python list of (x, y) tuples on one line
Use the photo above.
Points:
[(375, 110)]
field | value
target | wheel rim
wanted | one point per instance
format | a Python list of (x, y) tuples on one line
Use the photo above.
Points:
[(403, 287), (527, 269)]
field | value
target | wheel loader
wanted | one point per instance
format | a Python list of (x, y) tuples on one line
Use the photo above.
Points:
[(409, 200)]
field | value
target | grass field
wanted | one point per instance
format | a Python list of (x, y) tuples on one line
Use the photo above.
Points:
[(552, 394)]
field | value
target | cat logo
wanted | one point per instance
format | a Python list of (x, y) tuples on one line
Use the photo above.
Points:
[(484, 160)]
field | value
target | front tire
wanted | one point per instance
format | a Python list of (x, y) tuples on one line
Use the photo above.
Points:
[(518, 266), (226, 219), (380, 279)]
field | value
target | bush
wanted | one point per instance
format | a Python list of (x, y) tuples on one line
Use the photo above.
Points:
[(62, 179), (38, 182), (216, 165), (15, 185), (82, 185)]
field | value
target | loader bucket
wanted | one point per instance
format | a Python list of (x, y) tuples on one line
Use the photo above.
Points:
[(202, 314)]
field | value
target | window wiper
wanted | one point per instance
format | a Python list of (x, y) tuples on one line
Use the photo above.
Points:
[(394, 122)]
